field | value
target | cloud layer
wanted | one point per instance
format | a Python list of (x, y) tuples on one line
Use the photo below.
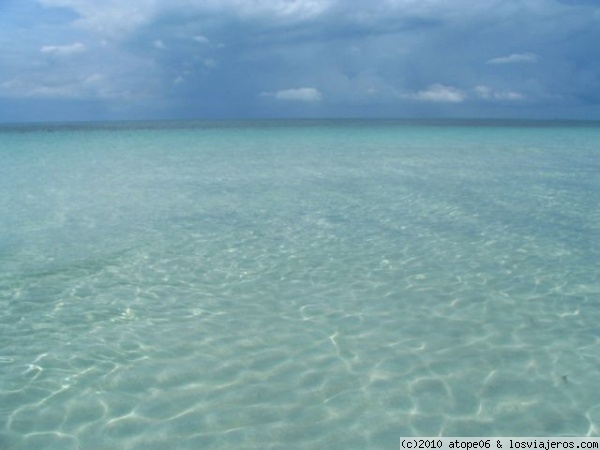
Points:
[(303, 94), (515, 58), (267, 58)]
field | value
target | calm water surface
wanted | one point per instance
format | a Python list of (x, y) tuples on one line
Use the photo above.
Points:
[(314, 285)]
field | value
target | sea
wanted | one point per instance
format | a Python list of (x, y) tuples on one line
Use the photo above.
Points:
[(309, 284)]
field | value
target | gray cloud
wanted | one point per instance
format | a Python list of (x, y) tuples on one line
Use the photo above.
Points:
[(63, 50), (515, 58), (303, 94), (193, 58), (438, 93)]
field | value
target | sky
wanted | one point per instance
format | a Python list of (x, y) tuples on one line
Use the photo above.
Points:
[(80, 60)]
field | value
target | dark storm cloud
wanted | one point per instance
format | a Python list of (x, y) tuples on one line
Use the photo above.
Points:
[(234, 58)]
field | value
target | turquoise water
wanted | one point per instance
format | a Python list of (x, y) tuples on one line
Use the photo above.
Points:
[(314, 285)]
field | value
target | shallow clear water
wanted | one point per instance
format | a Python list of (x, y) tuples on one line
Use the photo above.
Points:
[(277, 285)]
